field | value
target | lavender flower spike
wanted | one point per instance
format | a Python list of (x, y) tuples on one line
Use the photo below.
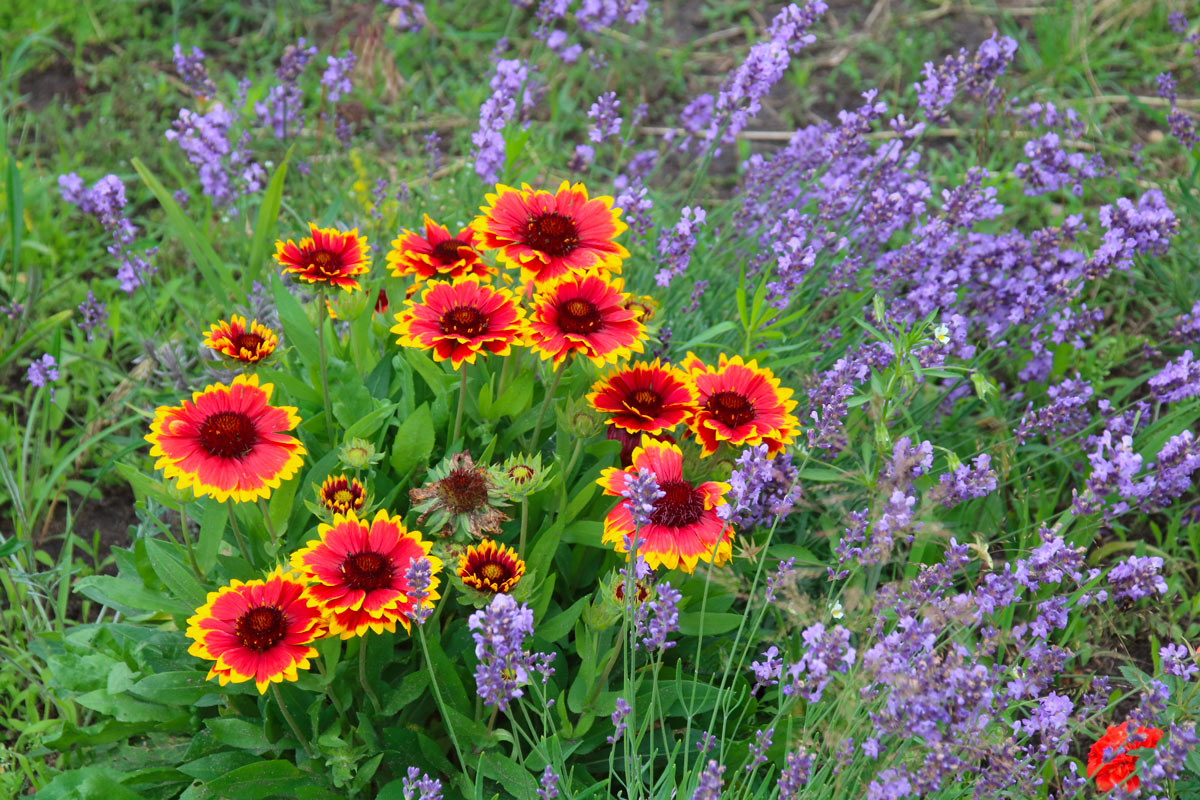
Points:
[(642, 492), (42, 371), (418, 576), (710, 784), (419, 786)]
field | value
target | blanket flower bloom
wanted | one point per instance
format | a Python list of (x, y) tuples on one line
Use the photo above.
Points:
[(259, 630), (461, 319), (437, 254), (227, 441), (356, 573), (341, 494), (549, 235), (740, 403), (644, 398), (326, 256), (584, 313), (490, 567), (1109, 760), (238, 341), (683, 527)]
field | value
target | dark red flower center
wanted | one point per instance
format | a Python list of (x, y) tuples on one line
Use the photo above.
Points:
[(261, 628), (367, 571), (646, 401), (464, 490), (464, 321), (521, 473), (324, 262), (730, 408), (493, 572), (681, 505), (248, 341), (228, 434), (447, 252), (579, 316), (343, 498), (552, 233)]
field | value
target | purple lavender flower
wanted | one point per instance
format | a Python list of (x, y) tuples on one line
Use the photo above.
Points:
[(204, 139), (767, 671), (582, 158), (1182, 127), (500, 631), (1148, 226), (105, 200), (93, 316), (633, 200), (510, 77), (1065, 415), (407, 16), (795, 773), (709, 784), (663, 618), (973, 75), (1051, 168), (1179, 380), (595, 14), (618, 720), (433, 153), (758, 748), (1170, 759), (783, 572), (336, 78), (193, 72), (764, 489), (1187, 328), (418, 577), (675, 247), (605, 116), (548, 784), (641, 493), (1137, 577), (419, 786), (1177, 661), (828, 651), (1167, 87), (1177, 21), (963, 483), (42, 371)]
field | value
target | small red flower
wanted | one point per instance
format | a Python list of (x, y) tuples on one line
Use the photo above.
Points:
[(740, 403), (646, 398), (1118, 770), (328, 256), (459, 320), (437, 254), (584, 313), (238, 341)]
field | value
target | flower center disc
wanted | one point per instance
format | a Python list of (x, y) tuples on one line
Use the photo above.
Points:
[(521, 473), (447, 252), (464, 321), (367, 571), (730, 408), (260, 628), (463, 491), (681, 505), (228, 434), (492, 572), (579, 316), (343, 497), (646, 401), (248, 341), (324, 262), (552, 234)]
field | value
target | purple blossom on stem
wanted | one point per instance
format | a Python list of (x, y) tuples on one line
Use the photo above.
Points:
[(663, 619), (1177, 661), (500, 631), (675, 247), (407, 16), (795, 773), (973, 74), (93, 316), (595, 14), (1167, 87), (633, 200), (1187, 328), (193, 72), (763, 489), (204, 139), (605, 116), (641, 493), (509, 78), (1170, 758), (1051, 168), (433, 153), (1177, 381), (828, 651), (548, 784), (767, 671), (758, 748), (1137, 577), (418, 577), (782, 573), (42, 372), (965, 483), (419, 786), (709, 785), (1065, 415), (618, 720), (336, 78)]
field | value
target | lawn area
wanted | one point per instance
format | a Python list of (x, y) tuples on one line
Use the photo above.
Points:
[(599, 399)]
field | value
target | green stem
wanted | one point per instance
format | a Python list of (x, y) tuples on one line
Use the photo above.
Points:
[(437, 695), (362, 675), (262, 505), (524, 525), (237, 534), (333, 698), (322, 313), (537, 428), (291, 721), (187, 541), (462, 402)]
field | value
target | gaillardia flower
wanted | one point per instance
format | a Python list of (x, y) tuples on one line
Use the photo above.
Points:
[(327, 256), (644, 398), (460, 496), (551, 235), (740, 403), (437, 254), (238, 341), (228, 441), (1118, 770), (461, 319), (356, 573), (259, 630), (683, 527), (490, 567), (341, 494), (584, 313)]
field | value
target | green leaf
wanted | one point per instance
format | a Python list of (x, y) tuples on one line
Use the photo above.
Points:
[(212, 527), (239, 733), (268, 213), (411, 688), (414, 441), (561, 624), (366, 427), (218, 764), (181, 688), (16, 202), (297, 328), (689, 624), (261, 780), (196, 243), (165, 558), (126, 595), (124, 708), (516, 397), (88, 783), (515, 779)]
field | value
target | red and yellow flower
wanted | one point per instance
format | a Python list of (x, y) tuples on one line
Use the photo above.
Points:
[(1118, 771), (227, 442), (490, 567), (740, 403), (341, 494), (683, 528), (644, 398), (238, 341), (549, 235), (461, 319), (584, 313), (356, 573), (437, 254), (326, 256), (259, 630)]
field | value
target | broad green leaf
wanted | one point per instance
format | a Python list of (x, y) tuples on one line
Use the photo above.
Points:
[(165, 558), (122, 594), (414, 441), (175, 688), (268, 213), (263, 779), (239, 733), (298, 329), (515, 779), (214, 766), (212, 527)]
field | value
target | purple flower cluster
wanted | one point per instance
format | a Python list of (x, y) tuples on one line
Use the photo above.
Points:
[(973, 74), (193, 72), (1137, 577), (336, 78), (663, 618), (205, 140), (280, 111), (548, 784), (42, 372), (795, 774), (1187, 327), (407, 15), (510, 78), (1178, 380), (418, 577), (641, 493), (93, 316), (758, 748), (504, 664), (710, 784), (1180, 124), (1177, 661), (419, 786), (675, 246), (606, 118), (763, 489), (1051, 168), (595, 14), (828, 651), (964, 483), (105, 200), (618, 716), (1064, 416)]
